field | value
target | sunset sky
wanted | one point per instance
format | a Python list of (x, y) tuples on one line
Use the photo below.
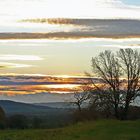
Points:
[(59, 37)]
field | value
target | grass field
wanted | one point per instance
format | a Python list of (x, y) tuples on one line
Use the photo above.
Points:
[(98, 130)]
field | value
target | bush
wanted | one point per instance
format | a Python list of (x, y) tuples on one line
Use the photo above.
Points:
[(36, 122), (134, 113), (2, 119), (18, 122), (86, 114)]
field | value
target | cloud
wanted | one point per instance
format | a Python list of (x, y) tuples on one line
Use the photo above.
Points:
[(60, 21), (17, 79), (70, 9), (133, 46), (13, 85), (85, 28), (13, 65), (11, 57), (77, 17)]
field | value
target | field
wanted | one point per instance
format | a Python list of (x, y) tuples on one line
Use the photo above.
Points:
[(95, 130)]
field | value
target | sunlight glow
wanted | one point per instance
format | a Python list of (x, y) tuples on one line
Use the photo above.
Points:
[(69, 86)]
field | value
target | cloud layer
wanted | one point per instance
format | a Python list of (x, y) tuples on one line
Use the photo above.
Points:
[(12, 57), (13, 65), (70, 9), (83, 28), (13, 85)]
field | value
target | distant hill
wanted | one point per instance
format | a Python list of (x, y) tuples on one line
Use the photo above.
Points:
[(61, 105), (11, 107), (53, 117), (58, 105)]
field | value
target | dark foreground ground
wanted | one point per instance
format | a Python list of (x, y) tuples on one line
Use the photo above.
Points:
[(95, 130)]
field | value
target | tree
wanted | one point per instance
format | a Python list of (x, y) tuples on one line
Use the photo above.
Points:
[(119, 75), (130, 64), (81, 97)]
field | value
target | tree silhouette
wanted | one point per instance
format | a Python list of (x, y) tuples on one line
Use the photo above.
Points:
[(119, 75)]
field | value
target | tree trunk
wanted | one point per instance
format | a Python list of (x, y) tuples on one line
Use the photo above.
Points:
[(79, 107), (116, 111), (125, 114)]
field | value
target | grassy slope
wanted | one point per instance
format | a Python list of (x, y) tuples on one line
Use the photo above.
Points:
[(99, 130)]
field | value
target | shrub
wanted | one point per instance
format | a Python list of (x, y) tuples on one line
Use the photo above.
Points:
[(18, 122), (2, 119)]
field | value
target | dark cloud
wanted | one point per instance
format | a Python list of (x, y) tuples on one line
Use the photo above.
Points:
[(83, 28), (2, 67), (39, 88), (62, 21), (68, 35), (39, 80), (137, 45)]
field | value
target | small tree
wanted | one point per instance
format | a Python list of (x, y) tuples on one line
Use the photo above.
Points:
[(119, 75), (80, 98)]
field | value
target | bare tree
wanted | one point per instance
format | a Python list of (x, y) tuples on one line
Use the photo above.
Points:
[(107, 67), (119, 76), (81, 97), (130, 63)]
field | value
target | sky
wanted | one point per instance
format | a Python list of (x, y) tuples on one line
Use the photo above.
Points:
[(63, 33), (70, 9), (59, 37), (134, 2)]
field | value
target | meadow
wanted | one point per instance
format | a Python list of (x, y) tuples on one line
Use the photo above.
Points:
[(92, 130)]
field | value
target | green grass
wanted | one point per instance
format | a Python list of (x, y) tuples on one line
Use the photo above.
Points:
[(95, 130)]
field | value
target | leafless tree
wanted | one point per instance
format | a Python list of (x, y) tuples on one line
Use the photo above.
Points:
[(130, 63), (119, 75), (81, 97)]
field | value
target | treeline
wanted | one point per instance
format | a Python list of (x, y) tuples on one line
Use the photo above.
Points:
[(25, 121), (21, 122), (94, 113), (18, 121)]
